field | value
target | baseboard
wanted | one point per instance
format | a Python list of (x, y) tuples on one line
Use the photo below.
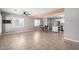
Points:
[(17, 32), (71, 39)]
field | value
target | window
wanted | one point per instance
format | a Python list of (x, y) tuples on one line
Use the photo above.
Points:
[(37, 22)]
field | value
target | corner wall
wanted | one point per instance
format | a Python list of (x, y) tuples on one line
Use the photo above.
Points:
[(71, 29), (0, 24)]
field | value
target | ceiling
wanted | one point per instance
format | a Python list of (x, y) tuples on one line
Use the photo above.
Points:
[(32, 11), (52, 13), (35, 12)]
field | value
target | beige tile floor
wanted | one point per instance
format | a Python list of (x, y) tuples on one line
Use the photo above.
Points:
[(36, 41)]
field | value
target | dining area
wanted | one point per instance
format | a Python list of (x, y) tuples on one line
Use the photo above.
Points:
[(51, 25)]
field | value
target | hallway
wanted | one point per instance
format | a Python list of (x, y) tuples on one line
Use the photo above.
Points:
[(36, 41)]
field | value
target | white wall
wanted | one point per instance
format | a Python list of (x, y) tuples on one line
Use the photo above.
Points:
[(0, 24), (61, 20), (19, 23), (71, 30), (45, 21)]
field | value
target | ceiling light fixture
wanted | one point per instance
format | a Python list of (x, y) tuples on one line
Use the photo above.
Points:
[(26, 13)]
